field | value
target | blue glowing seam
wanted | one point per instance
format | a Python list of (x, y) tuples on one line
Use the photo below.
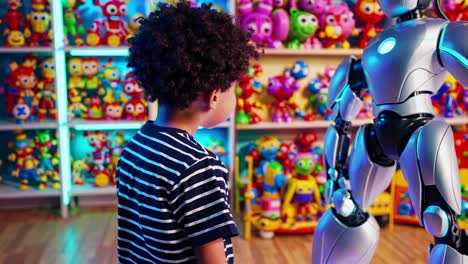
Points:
[(387, 45), (108, 126), (450, 51), (85, 52)]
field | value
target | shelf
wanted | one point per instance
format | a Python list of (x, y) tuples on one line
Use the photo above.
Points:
[(458, 120), (100, 51), (461, 120), (9, 125), (297, 125), (88, 189), (311, 52), (9, 190), (88, 125), (26, 50)]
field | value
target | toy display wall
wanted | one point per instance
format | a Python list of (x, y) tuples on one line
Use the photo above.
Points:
[(233, 138), (72, 153)]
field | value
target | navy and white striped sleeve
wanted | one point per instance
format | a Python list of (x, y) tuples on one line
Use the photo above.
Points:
[(199, 201)]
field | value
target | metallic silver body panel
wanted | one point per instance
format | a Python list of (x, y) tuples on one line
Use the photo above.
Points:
[(436, 221), (421, 103), (339, 81), (350, 105), (337, 243), (444, 254), (410, 66), (430, 159), (368, 179), (330, 144), (454, 50)]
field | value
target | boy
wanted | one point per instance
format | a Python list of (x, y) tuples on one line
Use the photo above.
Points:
[(172, 192)]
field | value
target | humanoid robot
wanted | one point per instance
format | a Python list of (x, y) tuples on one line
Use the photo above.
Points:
[(401, 68)]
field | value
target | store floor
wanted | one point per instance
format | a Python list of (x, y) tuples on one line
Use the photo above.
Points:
[(90, 237)]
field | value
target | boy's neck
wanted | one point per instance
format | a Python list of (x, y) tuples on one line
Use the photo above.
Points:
[(186, 119)]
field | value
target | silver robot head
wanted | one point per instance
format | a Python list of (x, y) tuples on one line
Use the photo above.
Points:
[(396, 8)]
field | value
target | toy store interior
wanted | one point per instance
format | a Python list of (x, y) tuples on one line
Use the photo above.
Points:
[(69, 105)]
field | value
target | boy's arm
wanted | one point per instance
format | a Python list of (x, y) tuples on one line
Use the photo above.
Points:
[(199, 202), (211, 253)]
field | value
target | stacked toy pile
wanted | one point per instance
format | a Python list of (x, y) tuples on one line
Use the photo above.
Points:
[(34, 160), (284, 193), (99, 166), (98, 95), (111, 29), (282, 89), (29, 91), (309, 24), (31, 29)]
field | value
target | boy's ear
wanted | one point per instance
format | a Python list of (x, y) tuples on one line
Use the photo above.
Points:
[(213, 99)]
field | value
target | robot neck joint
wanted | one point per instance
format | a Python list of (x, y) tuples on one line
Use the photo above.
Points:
[(414, 14)]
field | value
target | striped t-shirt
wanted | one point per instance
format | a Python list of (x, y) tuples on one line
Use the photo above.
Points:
[(172, 197)]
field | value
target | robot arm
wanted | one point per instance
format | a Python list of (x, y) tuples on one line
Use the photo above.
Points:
[(453, 51), (345, 99)]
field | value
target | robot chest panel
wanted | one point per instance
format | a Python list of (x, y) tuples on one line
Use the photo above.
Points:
[(402, 59)]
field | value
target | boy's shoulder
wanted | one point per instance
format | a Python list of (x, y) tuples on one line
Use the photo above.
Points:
[(179, 144)]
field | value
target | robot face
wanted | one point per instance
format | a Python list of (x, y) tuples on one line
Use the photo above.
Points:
[(303, 24), (300, 70), (259, 25), (114, 111), (16, 38), (47, 68), (75, 67), (396, 8), (90, 67), (115, 8)]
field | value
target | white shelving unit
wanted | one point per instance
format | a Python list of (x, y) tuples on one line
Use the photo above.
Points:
[(10, 126)]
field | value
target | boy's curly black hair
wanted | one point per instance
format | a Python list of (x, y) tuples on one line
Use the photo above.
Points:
[(182, 52)]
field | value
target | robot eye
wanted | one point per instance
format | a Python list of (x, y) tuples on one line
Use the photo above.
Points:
[(309, 189), (44, 17), (46, 65), (345, 18), (128, 88), (92, 139), (103, 137), (300, 189), (93, 66), (266, 28), (123, 9), (313, 20), (379, 10), (310, 163), (138, 88), (140, 109), (24, 80), (35, 17), (130, 108), (300, 163), (302, 20), (330, 20), (74, 66), (85, 66), (367, 8), (252, 28), (111, 9), (52, 67)]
